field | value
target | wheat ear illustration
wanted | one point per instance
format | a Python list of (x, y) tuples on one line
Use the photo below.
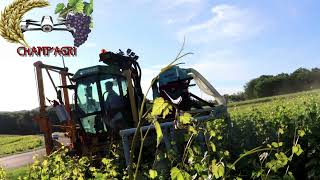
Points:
[(11, 18)]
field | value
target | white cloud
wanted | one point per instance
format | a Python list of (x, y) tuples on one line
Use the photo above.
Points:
[(178, 11), (225, 70), (227, 23)]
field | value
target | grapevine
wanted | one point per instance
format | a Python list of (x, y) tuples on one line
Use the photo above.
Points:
[(77, 15)]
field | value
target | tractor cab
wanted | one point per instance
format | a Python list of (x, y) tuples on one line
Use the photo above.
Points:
[(101, 99), (107, 99)]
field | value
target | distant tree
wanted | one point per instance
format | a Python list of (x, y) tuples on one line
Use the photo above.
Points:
[(267, 85), (240, 96)]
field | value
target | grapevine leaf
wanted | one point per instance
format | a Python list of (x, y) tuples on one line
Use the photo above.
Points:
[(59, 8), (177, 174), (217, 169), (230, 166), (72, 3), (214, 169), (153, 174), (274, 144), (269, 146), (185, 119), (79, 6), (158, 131), (88, 8), (296, 149), (280, 131), (192, 130), (289, 176), (226, 153), (212, 134), (301, 133), (160, 106), (165, 112), (221, 170), (213, 147), (91, 24)]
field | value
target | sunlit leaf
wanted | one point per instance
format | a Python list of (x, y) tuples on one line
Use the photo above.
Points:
[(158, 132), (153, 173), (79, 6), (177, 174), (301, 133), (185, 118), (192, 130), (160, 107), (213, 147), (72, 3)]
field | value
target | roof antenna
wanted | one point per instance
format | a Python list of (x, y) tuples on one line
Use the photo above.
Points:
[(64, 65)]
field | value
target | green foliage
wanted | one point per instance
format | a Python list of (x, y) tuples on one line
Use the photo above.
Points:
[(158, 131), (11, 144), (296, 149), (274, 140), (185, 118), (153, 174), (79, 7), (60, 166), (2, 174), (88, 8), (160, 107), (75, 6), (109, 170), (59, 8), (177, 174), (72, 3), (217, 169), (17, 172)]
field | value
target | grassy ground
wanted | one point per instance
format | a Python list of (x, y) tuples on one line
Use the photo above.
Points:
[(12, 144), (13, 174)]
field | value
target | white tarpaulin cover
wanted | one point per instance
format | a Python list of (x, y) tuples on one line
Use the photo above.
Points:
[(206, 87)]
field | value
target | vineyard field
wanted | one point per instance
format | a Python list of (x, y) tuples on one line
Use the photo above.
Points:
[(11, 144), (274, 139)]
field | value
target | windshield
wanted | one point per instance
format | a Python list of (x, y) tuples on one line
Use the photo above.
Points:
[(88, 97)]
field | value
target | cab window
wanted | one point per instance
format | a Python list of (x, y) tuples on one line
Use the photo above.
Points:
[(88, 98)]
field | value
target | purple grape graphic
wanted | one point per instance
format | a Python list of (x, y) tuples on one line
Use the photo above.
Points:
[(81, 25)]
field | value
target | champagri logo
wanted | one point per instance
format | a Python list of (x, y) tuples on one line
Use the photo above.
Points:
[(74, 17), (47, 51)]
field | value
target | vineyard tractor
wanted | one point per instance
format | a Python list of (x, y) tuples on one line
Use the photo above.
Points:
[(108, 98)]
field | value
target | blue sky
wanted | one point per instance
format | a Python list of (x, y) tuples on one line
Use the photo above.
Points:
[(232, 41)]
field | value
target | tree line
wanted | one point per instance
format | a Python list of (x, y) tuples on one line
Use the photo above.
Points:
[(22, 123), (301, 79)]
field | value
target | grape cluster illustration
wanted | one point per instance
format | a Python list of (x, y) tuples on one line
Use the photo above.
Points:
[(81, 25), (77, 16)]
